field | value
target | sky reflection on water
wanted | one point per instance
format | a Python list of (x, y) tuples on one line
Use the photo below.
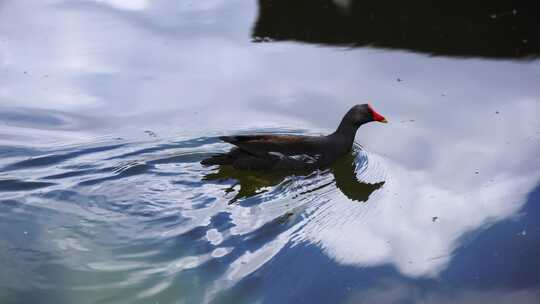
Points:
[(458, 157)]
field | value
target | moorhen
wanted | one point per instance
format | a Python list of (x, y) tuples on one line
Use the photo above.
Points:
[(295, 152)]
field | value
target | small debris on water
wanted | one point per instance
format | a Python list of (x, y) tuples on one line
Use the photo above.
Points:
[(433, 219), (524, 233), (399, 80), (496, 112), (25, 232), (476, 172), (150, 133)]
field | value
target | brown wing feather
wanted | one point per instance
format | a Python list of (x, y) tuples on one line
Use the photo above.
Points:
[(262, 138), (263, 144)]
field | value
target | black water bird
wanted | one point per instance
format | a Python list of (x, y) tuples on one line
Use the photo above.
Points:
[(295, 152)]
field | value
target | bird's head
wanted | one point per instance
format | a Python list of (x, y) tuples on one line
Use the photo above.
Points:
[(363, 113)]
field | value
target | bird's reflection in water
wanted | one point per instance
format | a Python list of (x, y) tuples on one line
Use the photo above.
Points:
[(250, 183)]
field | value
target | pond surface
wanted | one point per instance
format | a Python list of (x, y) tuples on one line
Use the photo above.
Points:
[(107, 107)]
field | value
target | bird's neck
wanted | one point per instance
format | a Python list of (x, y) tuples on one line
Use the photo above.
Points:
[(345, 134)]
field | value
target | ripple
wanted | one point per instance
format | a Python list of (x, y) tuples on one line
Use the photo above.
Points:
[(18, 185), (148, 212), (54, 159)]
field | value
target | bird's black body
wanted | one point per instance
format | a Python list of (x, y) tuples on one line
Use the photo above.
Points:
[(294, 152)]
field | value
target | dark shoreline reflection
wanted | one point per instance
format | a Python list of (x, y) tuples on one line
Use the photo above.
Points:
[(503, 29), (251, 183)]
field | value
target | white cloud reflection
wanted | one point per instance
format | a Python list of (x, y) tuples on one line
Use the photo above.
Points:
[(135, 5), (398, 227)]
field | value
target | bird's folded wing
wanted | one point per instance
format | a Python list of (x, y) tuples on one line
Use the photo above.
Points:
[(262, 145)]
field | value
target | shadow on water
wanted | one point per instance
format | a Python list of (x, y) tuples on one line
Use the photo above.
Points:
[(250, 183), (504, 29)]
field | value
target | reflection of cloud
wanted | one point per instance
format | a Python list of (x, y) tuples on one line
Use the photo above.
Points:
[(399, 229), (134, 5), (246, 264)]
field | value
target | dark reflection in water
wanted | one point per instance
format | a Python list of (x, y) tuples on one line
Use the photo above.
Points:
[(345, 176), (501, 29), (251, 183)]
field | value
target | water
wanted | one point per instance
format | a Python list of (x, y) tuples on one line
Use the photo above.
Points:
[(107, 107)]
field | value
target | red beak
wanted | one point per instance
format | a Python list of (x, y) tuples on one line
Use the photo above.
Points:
[(376, 116)]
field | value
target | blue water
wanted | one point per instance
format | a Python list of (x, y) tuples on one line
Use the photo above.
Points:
[(107, 108)]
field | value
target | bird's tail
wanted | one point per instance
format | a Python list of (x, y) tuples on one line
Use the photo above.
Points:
[(218, 159)]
